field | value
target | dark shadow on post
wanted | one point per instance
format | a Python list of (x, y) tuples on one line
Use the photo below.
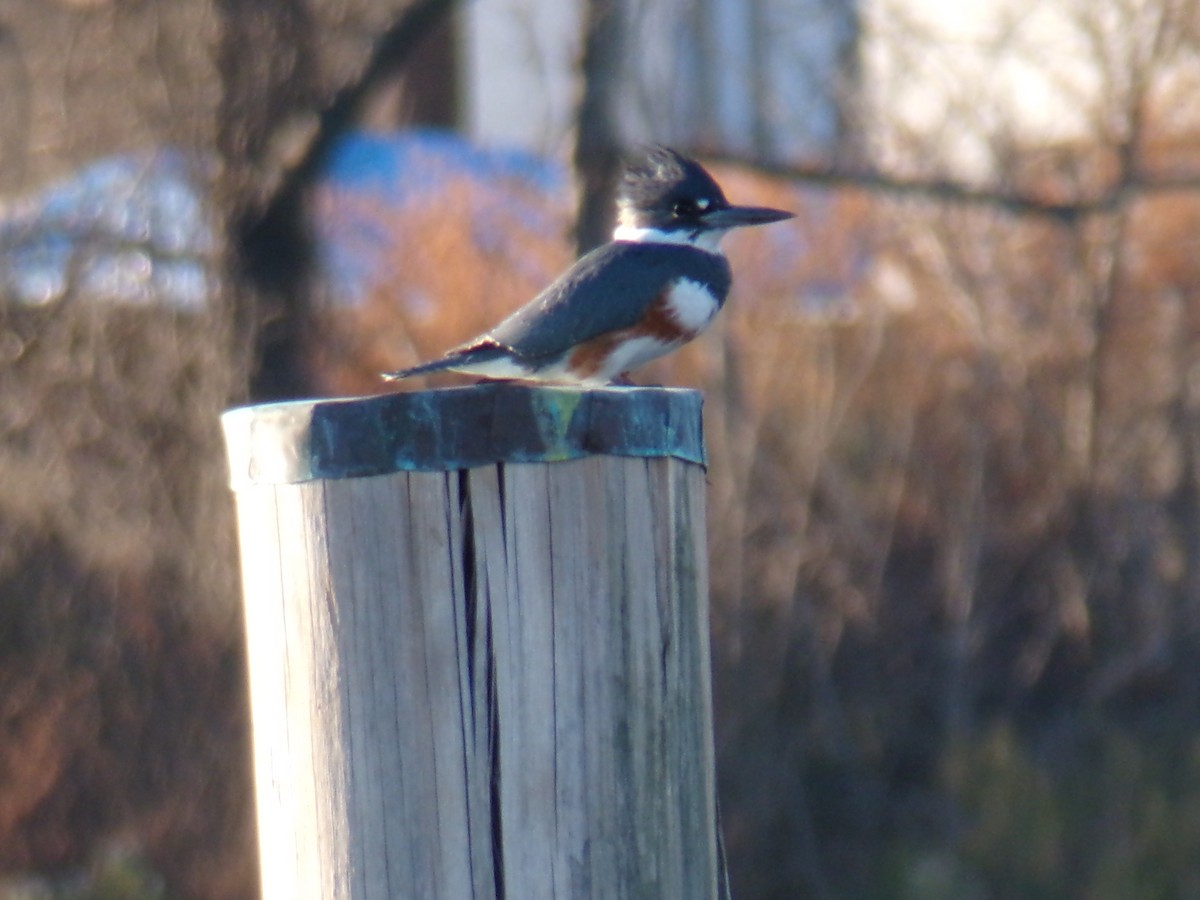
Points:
[(478, 641)]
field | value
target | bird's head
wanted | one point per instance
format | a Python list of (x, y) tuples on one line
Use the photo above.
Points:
[(664, 197)]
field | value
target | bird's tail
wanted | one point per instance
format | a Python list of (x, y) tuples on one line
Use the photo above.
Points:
[(438, 365), (463, 359)]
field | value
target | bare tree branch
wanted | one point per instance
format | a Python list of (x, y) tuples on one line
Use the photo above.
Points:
[(944, 190), (275, 245)]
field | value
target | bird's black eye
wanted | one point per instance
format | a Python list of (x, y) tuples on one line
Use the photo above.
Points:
[(685, 207)]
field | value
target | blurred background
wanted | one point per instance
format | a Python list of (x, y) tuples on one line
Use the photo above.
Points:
[(953, 409)]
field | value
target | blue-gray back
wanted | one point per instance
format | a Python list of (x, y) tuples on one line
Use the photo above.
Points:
[(607, 290)]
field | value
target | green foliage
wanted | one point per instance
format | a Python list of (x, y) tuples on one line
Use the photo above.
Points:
[(125, 879), (1114, 817), (118, 874)]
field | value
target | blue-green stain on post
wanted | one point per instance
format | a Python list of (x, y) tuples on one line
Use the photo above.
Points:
[(458, 428), (554, 411)]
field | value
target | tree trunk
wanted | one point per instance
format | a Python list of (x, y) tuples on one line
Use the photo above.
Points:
[(597, 138)]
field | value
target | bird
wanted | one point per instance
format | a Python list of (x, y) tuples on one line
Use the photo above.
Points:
[(655, 286)]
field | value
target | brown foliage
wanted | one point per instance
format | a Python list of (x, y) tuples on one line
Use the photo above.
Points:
[(441, 283), (123, 712)]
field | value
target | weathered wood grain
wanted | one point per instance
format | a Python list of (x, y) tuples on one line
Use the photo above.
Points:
[(482, 683)]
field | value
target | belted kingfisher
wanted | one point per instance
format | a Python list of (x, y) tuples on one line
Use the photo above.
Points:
[(653, 288)]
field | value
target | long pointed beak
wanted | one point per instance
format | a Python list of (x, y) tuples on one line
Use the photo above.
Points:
[(740, 216)]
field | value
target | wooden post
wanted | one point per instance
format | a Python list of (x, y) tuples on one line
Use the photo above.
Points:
[(478, 643)]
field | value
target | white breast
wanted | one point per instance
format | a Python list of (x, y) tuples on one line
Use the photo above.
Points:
[(692, 306)]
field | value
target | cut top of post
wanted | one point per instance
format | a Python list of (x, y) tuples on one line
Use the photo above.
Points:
[(457, 428)]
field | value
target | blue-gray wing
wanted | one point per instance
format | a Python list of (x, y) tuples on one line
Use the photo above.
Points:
[(609, 289)]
